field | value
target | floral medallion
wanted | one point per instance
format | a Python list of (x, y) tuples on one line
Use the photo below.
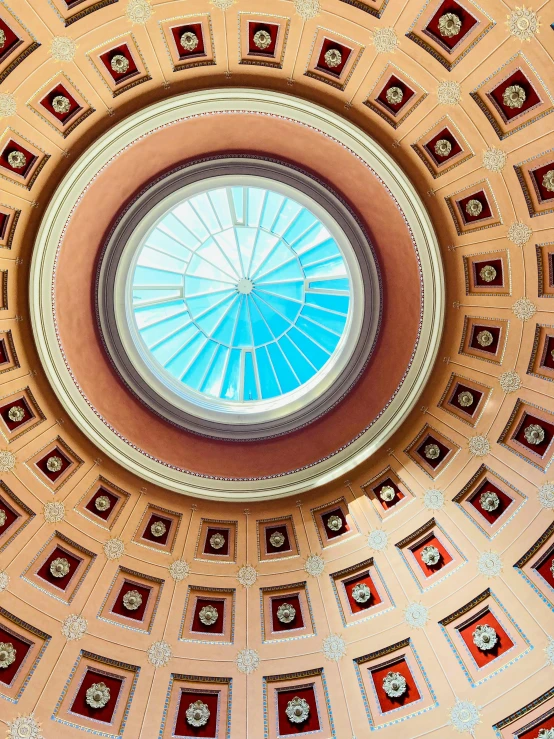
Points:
[(132, 600), (314, 565), (158, 529), (489, 564), (179, 570), (430, 555), (377, 539), (159, 653), (286, 613), (297, 710), (247, 576), (485, 637), (394, 684), (74, 627), (489, 501), (98, 695), (361, 592), (479, 446), (277, 539), (197, 714), (334, 647), (59, 567), (7, 655), (334, 523), (433, 500), (416, 615), (247, 661), (208, 615)]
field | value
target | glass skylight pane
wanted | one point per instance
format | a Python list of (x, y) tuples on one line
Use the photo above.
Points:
[(255, 203), (238, 203), (337, 303), (268, 381), (214, 378), (338, 284), (252, 307), (271, 210), (231, 381), (250, 389)]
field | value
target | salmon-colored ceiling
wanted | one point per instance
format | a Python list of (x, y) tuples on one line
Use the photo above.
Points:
[(495, 566)]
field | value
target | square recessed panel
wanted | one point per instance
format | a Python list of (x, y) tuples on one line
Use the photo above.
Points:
[(308, 685), (541, 362), (14, 516), (132, 600), (70, 11), (442, 147), (16, 414), (286, 612), (449, 30), (29, 644), (209, 615), (545, 268), (361, 592), (536, 566), (18, 42), (334, 522), (466, 633), (104, 714), (61, 104), (484, 338), (527, 721), (183, 690), (119, 64), (488, 273), (513, 97), (21, 161), (536, 177), (19, 413), (372, 670), (188, 41), (90, 669), (262, 39), (103, 503), (373, 7), (529, 433), (387, 493), (474, 208), (333, 58), (71, 562), (465, 399), (395, 95), (432, 451), (158, 529), (54, 464), (430, 554), (276, 539), (8, 221), (388, 703), (489, 501), (217, 541), (311, 724), (469, 632), (8, 355)]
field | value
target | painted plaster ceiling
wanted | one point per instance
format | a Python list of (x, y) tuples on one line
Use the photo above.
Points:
[(409, 591)]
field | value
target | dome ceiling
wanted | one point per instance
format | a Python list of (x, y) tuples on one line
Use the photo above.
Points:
[(394, 567), (356, 409)]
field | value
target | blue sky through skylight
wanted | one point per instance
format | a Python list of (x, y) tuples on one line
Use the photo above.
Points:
[(240, 294)]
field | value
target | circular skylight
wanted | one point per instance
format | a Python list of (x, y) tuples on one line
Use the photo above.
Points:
[(239, 297)]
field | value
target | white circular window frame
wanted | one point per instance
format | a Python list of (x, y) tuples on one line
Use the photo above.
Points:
[(42, 295), (215, 416)]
